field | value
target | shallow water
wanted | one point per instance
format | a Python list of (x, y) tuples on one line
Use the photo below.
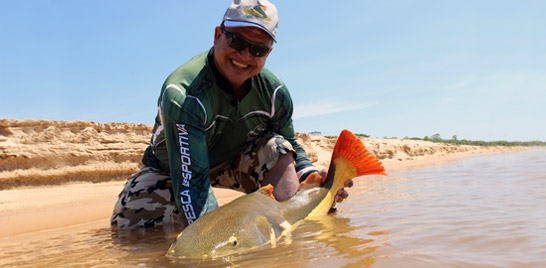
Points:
[(480, 211)]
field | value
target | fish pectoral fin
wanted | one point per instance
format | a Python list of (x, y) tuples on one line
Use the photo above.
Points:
[(313, 180), (266, 230), (272, 231), (273, 237), (287, 231)]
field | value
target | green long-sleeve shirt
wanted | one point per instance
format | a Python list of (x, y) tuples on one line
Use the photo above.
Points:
[(200, 125)]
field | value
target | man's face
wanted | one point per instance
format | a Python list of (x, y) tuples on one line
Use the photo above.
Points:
[(238, 66)]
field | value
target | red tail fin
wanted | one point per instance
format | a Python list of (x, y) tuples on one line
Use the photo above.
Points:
[(350, 159), (350, 147)]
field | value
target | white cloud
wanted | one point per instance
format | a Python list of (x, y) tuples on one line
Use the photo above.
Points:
[(322, 107)]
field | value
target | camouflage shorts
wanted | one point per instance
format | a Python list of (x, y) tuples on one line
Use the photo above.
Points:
[(147, 198)]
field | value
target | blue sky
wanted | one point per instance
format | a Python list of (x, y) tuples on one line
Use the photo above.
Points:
[(392, 68)]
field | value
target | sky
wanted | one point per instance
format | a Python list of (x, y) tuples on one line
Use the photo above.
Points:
[(474, 69)]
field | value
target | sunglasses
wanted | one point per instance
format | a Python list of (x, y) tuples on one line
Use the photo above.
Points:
[(239, 43)]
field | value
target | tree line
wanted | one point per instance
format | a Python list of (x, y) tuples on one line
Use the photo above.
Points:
[(455, 140)]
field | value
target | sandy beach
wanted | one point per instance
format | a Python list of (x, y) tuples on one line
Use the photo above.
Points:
[(57, 175)]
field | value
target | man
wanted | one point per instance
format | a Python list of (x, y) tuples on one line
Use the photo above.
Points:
[(223, 120)]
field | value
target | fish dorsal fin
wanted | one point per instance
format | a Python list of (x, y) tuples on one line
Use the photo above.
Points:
[(267, 191), (313, 180)]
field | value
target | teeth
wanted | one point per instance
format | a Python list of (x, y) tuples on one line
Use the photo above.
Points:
[(239, 65)]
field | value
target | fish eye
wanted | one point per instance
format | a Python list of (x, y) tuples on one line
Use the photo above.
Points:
[(233, 241)]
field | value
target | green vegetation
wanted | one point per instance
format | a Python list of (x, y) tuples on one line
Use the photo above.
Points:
[(362, 135), (454, 140)]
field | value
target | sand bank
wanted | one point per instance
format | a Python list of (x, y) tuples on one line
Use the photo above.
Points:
[(57, 174)]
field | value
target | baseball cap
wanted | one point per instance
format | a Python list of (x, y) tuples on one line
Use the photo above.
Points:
[(253, 13)]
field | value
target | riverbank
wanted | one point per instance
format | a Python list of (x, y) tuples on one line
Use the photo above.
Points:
[(57, 174)]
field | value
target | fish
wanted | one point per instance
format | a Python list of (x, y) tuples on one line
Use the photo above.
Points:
[(257, 219)]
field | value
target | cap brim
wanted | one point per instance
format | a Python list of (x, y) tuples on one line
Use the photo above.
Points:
[(235, 24)]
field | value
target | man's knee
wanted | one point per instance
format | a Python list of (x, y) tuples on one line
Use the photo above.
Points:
[(146, 200)]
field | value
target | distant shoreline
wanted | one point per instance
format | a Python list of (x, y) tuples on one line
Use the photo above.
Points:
[(37, 153)]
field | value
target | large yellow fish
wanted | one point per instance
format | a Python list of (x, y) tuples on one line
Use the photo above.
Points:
[(258, 219)]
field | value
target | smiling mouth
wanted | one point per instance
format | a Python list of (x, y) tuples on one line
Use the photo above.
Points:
[(239, 64)]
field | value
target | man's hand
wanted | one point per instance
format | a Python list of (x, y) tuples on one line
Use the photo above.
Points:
[(341, 193)]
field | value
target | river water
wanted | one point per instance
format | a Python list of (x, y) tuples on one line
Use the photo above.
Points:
[(479, 211)]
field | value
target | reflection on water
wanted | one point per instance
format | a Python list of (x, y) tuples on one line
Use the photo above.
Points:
[(483, 211)]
